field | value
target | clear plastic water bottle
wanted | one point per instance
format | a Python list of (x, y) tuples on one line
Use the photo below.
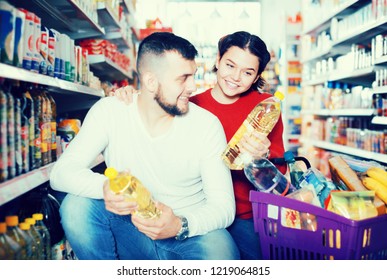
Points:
[(266, 177), (295, 171)]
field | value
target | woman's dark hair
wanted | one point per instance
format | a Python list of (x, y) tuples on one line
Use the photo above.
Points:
[(246, 41), (160, 42)]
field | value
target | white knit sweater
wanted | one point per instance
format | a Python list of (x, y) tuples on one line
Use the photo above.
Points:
[(182, 168)]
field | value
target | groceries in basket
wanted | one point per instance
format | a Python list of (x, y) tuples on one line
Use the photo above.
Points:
[(301, 220), (342, 174), (354, 205)]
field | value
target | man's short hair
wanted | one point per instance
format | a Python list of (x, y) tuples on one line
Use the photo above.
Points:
[(158, 43)]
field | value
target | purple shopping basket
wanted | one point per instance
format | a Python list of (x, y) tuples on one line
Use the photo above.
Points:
[(332, 237)]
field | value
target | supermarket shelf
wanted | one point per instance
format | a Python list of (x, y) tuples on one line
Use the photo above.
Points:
[(381, 60), (108, 18), (379, 120), (66, 16), (15, 187), (339, 112), (363, 77), (347, 150), (12, 72), (314, 82), (363, 32), (107, 69), (346, 8)]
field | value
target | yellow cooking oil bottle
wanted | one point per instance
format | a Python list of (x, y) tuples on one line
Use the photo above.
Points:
[(128, 185), (262, 119)]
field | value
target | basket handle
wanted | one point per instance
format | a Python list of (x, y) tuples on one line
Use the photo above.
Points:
[(282, 161)]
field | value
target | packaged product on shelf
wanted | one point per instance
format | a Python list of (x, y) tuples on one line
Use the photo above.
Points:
[(53, 127), (58, 54), (35, 45), (30, 114), (3, 137), (45, 128), (7, 32), (19, 38), (78, 64), (40, 200), (11, 249), (37, 131), (51, 53), (18, 138), (43, 51), (67, 129), (11, 134), (28, 38), (85, 67)]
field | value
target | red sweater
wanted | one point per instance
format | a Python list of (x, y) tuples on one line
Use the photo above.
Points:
[(232, 116)]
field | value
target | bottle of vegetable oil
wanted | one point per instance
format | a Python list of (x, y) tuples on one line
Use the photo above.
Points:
[(262, 118)]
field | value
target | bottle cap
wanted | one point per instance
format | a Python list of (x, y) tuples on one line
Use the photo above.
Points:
[(24, 226), (38, 216), (30, 221), (279, 95), (111, 173), (288, 156), (3, 227), (246, 157), (12, 220)]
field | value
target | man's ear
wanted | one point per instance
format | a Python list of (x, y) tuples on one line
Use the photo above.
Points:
[(150, 81)]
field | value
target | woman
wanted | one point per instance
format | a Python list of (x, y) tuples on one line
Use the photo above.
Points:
[(241, 59)]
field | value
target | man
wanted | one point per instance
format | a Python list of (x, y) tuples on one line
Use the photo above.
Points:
[(172, 147)]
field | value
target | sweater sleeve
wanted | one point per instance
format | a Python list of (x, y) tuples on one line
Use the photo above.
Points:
[(72, 173), (219, 210)]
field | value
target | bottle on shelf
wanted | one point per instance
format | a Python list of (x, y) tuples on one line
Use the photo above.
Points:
[(36, 236), (26, 229), (295, 170), (41, 201), (17, 235), (262, 118), (45, 235), (265, 176), (29, 112), (133, 190), (3, 136), (11, 249), (53, 127), (24, 128), (37, 101), (11, 133)]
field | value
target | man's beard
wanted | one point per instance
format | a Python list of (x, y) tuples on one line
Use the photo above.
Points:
[(170, 109)]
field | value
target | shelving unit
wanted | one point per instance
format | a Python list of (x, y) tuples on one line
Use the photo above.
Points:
[(324, 43), (20, 185), (69, 17), (290, 80)]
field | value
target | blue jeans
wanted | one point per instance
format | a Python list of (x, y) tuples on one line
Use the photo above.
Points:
[(247, 240), (97, 234)]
